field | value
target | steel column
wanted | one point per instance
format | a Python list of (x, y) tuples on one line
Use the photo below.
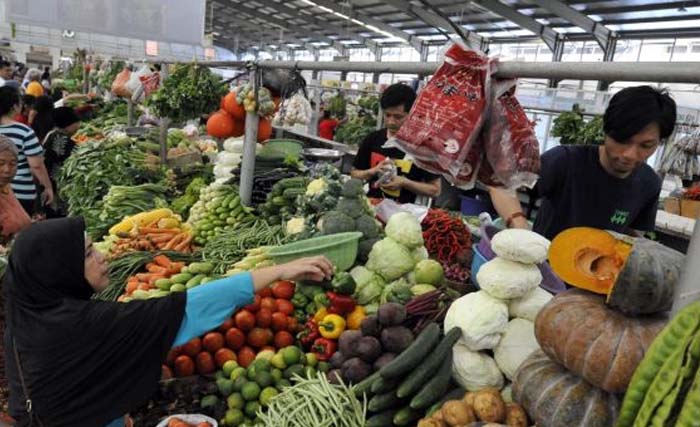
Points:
[(251, 139)]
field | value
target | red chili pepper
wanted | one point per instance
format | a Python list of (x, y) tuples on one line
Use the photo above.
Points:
[(309, 334), (340, 304), (324, 348)]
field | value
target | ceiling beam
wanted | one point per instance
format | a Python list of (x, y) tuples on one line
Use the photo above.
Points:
[(353, 13), (548, 35), (433, 19), (600, 32), (284, 7), (281, 23)]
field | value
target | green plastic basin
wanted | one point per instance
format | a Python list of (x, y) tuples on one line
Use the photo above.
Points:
[(340, 249)]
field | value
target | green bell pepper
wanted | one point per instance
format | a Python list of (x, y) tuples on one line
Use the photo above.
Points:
[(343, 283)]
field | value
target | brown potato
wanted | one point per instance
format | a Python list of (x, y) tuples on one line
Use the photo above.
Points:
[(469, 398), (438, 415), (489, 406), (516, 416), (430, 422), (457, 413)]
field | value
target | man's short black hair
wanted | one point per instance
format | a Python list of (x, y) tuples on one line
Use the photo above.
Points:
[(634, 108), (9, 98), (396, 95)]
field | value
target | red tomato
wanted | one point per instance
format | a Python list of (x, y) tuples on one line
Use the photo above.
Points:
[(246, 356), (284, 306), (193, 347), (279, 322), (265, 292), (245, 320), (255, 306), (235, 338), (263, 318), (205, 363), (268, 303), (213, 341), (165, 373), (228, 324), (292, 324), (283, 339), (184, 366), (283, 289), (172, 355), (223, 355), (259, 337)]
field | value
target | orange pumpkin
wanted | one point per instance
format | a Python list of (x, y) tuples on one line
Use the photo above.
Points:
[(264, 130), (238, 128), (220, 125), (231, 106)]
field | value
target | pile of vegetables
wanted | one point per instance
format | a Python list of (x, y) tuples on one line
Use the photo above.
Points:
[(164, 276), (182, 204), (255, 258), (449, 241), (486, 405), (354, 131), (294, 111), (189, 91), (218, 209), (281, 202), (336, 106), (122, 201), (265, 105), (264, 180), (573, 129)]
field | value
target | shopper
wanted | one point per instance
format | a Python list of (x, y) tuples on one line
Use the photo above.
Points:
[(46, 79), (609, 186), (41, 117), (12, 217), (58, 146), (6, 72), (86, 362), (327, 126), (32, 83), (30, 160), (373, 159), (26, 103)]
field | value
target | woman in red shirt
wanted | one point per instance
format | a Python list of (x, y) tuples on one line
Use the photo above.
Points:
[(326, 128)]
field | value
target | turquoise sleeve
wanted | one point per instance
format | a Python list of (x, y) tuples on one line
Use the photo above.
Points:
[(119, 422), (208, 306)]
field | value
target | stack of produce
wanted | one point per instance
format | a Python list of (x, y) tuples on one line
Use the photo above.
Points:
[(154, 230), (182, 204), (264, 180), (229, 159), (428, 305), (229, 121), (389, 274), (293, 111), (281, 202), (122, 201), (613, 333), (491, 346), (219, 208), (486, 405), (322, 194), (404, 388), (354, 131), (255, 258), (164, 276), (335, 105), (265, 324), (449, 241)]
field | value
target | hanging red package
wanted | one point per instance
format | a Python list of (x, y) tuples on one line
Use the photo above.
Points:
[(511, 149), (446, 119)]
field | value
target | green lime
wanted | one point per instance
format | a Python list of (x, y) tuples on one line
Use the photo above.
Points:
[(311, 359), (234, 417), (250, 391), (263, 378), (261, 364), (251, 408), (282, 384), (239, 383), (267, 395), (292, 355), (250, 373), (237, 372), (225, 386), (278, 361), (235, 401), (293, 370), (219, 375), (228, 367), (324, 367), (209, 401), (276, 374)]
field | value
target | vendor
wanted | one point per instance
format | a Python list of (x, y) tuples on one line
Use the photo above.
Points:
[(13, 218), (58, 146), (327, 126), (609, 186), (372, 158), (83, 362)]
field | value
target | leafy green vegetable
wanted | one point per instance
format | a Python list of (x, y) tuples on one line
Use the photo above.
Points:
[(368, 285), (183, 203), (337, 106), (356, 130), (405, 229), (573, 129), (390, 259), (334, 222)]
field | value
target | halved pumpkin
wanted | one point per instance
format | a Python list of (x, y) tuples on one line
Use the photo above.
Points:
[(638, 276)]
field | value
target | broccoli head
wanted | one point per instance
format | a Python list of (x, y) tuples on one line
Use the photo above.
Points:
[(351, 207), (365, 247), (367, 226), (335, 222), (353, 189)]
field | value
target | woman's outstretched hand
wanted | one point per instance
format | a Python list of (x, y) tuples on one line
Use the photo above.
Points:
[(316, 268)]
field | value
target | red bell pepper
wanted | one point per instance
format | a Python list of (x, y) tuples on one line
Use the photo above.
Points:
[(340, 304), (324, 348), (309, 334)]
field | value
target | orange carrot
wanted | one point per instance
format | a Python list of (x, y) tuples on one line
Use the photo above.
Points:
[(144, 287), (154, 230), (144, 277), (159, 238), (131, 287), (162, 261), (154, 268), (174, 241), (180, 247)]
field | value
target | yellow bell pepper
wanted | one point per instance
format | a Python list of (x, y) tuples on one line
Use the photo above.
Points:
[(332, 326), (320, 314), (354, 319)]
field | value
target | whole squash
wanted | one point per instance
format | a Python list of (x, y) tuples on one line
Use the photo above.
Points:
[(554, 397), (577, 330), (637, 275)]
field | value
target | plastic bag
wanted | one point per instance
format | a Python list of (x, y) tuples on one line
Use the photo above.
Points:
[(189, 418), (135, 85), (511, 149), (150, 83), (119, 84), (445, 122)]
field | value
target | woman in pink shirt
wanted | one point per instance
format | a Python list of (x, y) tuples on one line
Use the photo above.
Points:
[(13, 217)]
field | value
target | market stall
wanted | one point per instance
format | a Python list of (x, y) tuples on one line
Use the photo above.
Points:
[(414, 328)]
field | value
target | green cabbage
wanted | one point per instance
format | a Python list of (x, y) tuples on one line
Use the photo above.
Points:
[(398, 291), (390, 259), (368, 285), (405, 229)]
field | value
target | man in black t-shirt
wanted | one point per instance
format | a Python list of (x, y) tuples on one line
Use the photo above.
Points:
[(372, 158), (609, 186)]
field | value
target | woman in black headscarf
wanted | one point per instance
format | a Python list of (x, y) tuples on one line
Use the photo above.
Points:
[(75, 362)]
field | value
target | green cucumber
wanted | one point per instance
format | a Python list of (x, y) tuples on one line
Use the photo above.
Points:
[(365, 385), (164, 284), (383, 401), (410, 358), (406, 416), (235, 202), (383, 385), (420, 375), (201, 267), (181, 278), (434, 389), (195, 281), (456, 394), (383, 419)]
